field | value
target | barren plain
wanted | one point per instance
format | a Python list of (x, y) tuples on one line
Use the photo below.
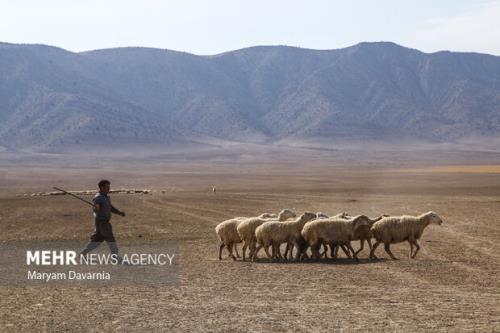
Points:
[(452, 285)]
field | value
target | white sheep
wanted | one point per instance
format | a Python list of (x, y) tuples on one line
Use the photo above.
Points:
[(246, 229), (362, 234), (335, 249), (396, 229), (333, 231), (275, 233), (302, 243), (228, 235)]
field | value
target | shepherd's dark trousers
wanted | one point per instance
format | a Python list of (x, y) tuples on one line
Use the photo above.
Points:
[(103, 232)]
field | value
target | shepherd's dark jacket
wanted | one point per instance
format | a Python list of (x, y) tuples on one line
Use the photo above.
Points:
[(103, 229), (106, 208)]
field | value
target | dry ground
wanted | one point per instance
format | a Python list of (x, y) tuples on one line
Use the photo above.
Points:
[(453, 285)]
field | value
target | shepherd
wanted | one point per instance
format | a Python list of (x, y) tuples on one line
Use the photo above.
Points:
[(102, 215)]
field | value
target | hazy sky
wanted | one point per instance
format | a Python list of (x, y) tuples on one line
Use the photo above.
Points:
[(214, 26)]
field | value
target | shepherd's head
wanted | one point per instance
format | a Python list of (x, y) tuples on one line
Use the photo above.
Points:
[(104, 186)]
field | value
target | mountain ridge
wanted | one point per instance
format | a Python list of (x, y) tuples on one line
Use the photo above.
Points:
[(51, 97)]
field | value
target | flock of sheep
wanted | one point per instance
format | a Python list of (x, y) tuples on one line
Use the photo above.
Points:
[(317, 231)]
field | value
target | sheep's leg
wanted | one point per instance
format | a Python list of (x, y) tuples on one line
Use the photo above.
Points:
[(411, 248), (244, 250), (349, 255), (230, 249), (255, 252), (335, 251), (387, 247), (278, 247), (415, 242), (252, 247), (332, 251), (293, 245), (369, 241), (372, 252), (289, 249), (361, 245), (325, 251), (349, 246), (300, 251), (266, 249), (220, 250), (315, 251), (233, 249), (303, 253), (236, 250), (296, 244), (346, 250), (370, 246), (282, 256), (278, 250), (233, 246)]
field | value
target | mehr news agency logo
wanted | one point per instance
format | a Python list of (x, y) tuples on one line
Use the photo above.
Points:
[(45, 258)]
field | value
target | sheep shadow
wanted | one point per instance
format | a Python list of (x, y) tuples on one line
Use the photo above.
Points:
[(328, 261)]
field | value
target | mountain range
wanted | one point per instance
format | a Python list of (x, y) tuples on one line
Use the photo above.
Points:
[(50, 97)]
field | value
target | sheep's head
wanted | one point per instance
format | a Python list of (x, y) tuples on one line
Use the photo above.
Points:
[(286, 214), (379, 218), (307, 216), (346, 215), (433, 218), (267, 215), (321, 215), (359, 221), (343, 215)]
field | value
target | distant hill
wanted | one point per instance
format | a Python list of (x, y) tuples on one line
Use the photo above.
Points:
[(50, 97)]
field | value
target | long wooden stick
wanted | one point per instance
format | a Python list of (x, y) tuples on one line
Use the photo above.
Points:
[(74, 195)]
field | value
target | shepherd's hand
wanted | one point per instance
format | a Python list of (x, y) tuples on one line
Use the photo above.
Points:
[(121, 213)]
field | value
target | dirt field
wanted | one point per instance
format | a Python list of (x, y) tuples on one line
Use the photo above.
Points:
[(453, 285)]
